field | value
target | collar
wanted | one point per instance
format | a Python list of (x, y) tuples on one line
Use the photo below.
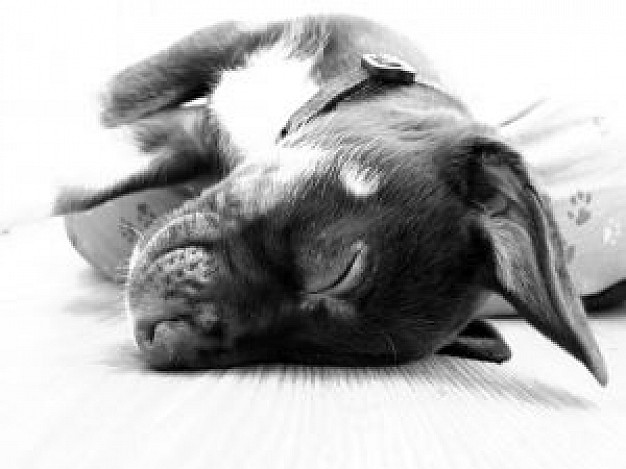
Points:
[(376, 73)]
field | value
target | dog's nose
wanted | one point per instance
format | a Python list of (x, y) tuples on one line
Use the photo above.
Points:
[(182, 341)]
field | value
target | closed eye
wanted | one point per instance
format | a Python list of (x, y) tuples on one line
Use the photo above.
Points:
[(351, 276)]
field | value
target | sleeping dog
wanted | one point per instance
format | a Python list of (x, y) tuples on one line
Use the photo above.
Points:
[(361, 215)]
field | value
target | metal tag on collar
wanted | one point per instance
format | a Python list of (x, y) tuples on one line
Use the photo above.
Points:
[(388, 68)]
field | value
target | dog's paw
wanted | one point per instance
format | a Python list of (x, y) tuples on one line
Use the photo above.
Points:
[(118, 107), (126, 99), (113, 115), (580, 210)]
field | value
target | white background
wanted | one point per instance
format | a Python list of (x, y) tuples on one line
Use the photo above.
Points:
[(55, 55), (62, 50)]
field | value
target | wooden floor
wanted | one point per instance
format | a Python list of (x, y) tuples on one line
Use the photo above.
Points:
[(75, 394)]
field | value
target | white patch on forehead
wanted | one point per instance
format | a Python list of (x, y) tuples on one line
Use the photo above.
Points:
[(278, 177), (287, 163), (299, 161), (360, 181), (253, 103)]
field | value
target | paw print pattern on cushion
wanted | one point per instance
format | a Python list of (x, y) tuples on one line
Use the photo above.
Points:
[(107, 234), (128, 231), (145, 215), (580, 211)]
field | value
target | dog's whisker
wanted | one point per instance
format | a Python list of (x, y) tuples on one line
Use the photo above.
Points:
[(391, 346), (125, 224)]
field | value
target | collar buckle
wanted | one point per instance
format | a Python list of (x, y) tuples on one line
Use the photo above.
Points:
[(388, 68)]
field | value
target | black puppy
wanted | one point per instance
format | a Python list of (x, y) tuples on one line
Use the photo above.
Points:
[(361, 216)]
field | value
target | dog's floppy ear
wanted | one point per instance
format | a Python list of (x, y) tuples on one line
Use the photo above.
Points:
[(525, 261)]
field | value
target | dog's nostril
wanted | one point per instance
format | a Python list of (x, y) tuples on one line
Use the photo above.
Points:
[(200, 319), (166, 337), (177, 342)]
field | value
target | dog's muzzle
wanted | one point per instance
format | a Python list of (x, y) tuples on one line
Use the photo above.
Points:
[(182, 294)]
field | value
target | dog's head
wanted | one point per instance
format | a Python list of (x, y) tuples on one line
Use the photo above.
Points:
[(354, 251)]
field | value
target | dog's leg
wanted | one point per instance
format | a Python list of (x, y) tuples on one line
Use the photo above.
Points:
[(187, 70), (148, 95), (183, 142), (180, 142), (479, 341), (177, 145), (168, 147)]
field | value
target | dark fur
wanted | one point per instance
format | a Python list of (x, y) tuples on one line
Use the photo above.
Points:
[(456, 216)]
